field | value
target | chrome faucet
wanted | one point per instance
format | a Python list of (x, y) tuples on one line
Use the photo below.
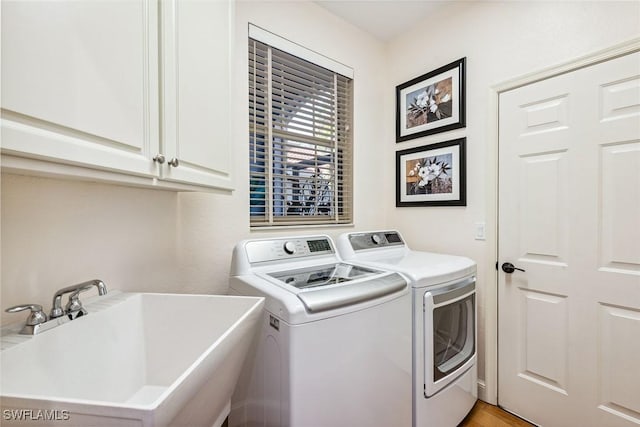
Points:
[(74, 307), (38, 321)]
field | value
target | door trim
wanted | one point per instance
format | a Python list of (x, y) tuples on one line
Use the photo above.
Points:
[(488, 390)]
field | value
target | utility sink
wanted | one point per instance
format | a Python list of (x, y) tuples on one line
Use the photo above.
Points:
[(136, 359)]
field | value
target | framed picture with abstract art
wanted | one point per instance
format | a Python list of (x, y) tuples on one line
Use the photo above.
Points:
[(432, 175), (431, 103)]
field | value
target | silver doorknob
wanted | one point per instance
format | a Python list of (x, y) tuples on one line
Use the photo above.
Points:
[(174, 162), (159, 158), (509, 268)]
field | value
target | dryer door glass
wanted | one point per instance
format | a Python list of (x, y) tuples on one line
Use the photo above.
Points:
[(453, 336)]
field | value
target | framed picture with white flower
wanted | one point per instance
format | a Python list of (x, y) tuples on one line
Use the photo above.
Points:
[(431, 103), (432, 175)]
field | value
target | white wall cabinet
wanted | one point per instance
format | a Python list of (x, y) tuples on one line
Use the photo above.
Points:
[(196, 46), (82, 94)]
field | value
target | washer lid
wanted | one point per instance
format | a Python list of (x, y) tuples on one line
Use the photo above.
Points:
[(333, 286), (322, 275), (423, 268)]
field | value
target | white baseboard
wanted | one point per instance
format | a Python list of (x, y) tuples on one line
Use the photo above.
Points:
[(482, 391)]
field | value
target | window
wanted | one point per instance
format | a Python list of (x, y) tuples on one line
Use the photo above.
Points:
[(300, 140)]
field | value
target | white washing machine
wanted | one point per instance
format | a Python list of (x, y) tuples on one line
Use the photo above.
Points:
[(444, 322), (335, 343)]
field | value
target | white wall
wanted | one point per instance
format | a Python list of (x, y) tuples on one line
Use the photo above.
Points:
[(56, 233), (501, 40), (211, 225)]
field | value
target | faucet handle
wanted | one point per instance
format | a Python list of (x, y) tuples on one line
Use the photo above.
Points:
[(36, 317), (74, 307), (56, 307)]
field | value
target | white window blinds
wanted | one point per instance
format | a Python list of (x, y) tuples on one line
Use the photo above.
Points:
[(300, 140)]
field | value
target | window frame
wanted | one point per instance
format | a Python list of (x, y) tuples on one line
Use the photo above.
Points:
[(283, 126)]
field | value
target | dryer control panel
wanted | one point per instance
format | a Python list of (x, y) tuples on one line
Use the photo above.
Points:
[(288, 248), (376, 239)]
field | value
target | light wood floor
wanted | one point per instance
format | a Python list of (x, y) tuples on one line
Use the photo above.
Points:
[(486, 415)]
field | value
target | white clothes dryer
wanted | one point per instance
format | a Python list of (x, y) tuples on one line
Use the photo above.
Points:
[(444, 322), (335, 343)]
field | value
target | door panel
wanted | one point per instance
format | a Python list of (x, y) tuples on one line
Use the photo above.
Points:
[(545, 115), (543, 220), (620, 376), (544, 325), (569, 209), (619, 231)]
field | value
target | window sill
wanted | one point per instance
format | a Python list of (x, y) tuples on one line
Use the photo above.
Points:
[(267, 228)]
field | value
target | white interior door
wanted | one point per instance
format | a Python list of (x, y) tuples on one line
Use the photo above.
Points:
[(569, 215)]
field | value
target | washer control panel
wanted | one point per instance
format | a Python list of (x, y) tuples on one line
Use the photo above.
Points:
[(288, 248), (376, 239)]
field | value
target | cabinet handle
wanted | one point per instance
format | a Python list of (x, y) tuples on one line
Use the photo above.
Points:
[(159, 158), (174, 162)]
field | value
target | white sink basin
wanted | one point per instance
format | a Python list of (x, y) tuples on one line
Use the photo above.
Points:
[(134, 360)]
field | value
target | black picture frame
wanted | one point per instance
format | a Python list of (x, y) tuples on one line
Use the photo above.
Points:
[(432, 175), (432, 103)]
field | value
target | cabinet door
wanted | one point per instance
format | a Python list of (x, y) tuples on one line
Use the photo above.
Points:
[(196, 55), (79, 82)]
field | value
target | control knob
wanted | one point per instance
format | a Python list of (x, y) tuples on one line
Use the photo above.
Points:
[(376, 239), (289, 247)]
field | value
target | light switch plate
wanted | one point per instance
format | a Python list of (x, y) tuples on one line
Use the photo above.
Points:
[(479, 231)]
